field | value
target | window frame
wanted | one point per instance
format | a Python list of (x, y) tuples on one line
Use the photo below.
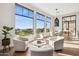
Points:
[(22, 11), (35, 18), (25, 16), (49, 18), (43, 20)]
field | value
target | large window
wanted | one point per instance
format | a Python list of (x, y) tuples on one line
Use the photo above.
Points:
[(48, 24), (39, 23), (24, 20)]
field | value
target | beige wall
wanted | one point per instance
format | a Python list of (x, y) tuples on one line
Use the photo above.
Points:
[(7, 17)]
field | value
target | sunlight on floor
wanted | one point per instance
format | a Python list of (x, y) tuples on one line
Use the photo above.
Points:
[(72, 44)]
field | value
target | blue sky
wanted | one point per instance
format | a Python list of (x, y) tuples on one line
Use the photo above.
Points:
[(24, 22)]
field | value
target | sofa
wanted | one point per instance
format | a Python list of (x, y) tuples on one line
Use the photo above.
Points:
[(45, 51)]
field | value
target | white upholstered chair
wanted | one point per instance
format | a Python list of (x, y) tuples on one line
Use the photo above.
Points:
[(58, 45), (20, 45)]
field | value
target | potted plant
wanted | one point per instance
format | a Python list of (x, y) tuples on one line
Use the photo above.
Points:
[(5, 31)]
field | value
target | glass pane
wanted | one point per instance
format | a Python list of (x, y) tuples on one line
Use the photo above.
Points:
[(64, 19), (68, 18), (72, 27), (30, 13), (73, 18), (23, 25), (42, 17), (18, 10), (40, 26), (39, 16), (48, 19), (48, 22), (25, 12), (47, 26)]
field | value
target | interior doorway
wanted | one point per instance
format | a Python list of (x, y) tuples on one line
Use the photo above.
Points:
[(69, 25)]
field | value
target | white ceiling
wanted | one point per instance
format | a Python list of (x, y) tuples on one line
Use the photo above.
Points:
[(63, 8)]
